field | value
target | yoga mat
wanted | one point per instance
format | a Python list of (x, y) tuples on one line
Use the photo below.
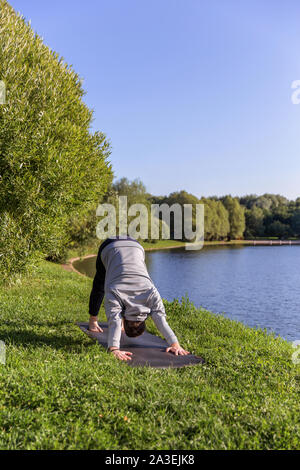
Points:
[(148, 350)]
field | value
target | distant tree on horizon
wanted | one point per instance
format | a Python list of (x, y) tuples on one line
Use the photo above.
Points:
[(236, 217)]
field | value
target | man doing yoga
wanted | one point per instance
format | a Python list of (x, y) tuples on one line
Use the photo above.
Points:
[(130, 296)]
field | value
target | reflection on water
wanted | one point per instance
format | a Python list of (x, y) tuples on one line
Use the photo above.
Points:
[(258, 285)]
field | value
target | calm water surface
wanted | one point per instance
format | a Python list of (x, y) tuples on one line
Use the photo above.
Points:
[(257, 285)]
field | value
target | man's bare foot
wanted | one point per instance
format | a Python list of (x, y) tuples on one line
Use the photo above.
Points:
[(94, 327)]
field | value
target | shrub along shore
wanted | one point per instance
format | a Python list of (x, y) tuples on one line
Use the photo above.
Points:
[(60, 390)]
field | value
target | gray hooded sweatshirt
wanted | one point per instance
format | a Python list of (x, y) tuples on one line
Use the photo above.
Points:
[(129, 290)]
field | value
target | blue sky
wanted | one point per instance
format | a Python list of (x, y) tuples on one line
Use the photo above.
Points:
[(193, 94)]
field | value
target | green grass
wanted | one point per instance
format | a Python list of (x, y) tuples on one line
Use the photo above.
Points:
[(60, 390), (162, 244)]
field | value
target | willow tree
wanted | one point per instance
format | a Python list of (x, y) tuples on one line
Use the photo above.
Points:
[(52, 167)]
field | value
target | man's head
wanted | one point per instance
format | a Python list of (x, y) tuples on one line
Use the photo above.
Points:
[(134, 328)]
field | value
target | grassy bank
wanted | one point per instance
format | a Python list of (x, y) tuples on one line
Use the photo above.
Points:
[(60, 390), (92, 246)]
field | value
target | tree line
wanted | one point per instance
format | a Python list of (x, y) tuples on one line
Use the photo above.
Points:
[(226, 217)]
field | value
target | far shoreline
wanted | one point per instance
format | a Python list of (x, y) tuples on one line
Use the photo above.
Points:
[(169, 245)]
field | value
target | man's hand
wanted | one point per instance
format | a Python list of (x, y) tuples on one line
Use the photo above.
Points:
[(122, 355), (176, 349), (93, 325)]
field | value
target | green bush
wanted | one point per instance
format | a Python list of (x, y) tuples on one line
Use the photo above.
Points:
[(52, 168)]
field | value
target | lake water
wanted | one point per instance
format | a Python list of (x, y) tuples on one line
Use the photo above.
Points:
[(257, 285)]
